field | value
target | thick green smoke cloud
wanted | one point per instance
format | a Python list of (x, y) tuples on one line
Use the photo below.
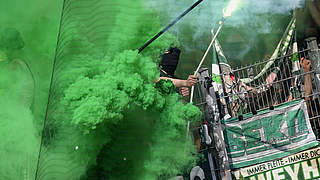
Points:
[(106, 117), (27, 43), (20, 142)]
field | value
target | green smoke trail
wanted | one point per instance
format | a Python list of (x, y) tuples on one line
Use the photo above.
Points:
[(106, 119), (27, 43), (97, 106), (19, 137)]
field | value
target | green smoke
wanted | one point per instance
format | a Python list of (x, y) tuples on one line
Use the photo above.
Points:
[(20, 142), (99, 103), (27, 44), (106, 117), (252, 32)]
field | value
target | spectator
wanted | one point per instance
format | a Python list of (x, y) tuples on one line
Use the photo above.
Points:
[(306, 64), (168, 65)]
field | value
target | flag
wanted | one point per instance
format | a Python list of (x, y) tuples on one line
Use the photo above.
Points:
[(295, 58), (281, 50), (219, 63)]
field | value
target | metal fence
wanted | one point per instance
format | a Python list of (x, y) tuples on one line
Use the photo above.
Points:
[(279, 85), (253, 88)]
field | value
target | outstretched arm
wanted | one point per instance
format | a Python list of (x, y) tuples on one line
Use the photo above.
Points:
[(191, 81)]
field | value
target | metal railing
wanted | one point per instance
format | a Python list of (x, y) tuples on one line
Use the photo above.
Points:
[(275, 87), (244, 93)]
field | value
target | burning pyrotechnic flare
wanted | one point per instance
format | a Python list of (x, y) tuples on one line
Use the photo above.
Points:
[(226, 13), (231, 7)]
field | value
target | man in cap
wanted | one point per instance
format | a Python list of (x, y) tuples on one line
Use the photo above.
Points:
[(168, 65)]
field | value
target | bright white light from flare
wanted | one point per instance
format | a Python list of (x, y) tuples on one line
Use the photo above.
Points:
[(231, 7)]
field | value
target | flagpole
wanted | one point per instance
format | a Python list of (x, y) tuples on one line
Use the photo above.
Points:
[(201, 62), (226, 13), (205, 55)]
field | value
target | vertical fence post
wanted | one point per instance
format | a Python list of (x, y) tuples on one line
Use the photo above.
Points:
[(213, 116), (315, 61)]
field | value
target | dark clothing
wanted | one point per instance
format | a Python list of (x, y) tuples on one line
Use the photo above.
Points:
[(169, 63), (170, 60)]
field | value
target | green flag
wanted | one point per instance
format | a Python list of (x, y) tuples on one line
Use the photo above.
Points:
[(281, 50), (218, 59)]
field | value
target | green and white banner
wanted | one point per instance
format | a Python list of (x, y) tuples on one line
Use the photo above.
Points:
[(302, 165), (269, 135)]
